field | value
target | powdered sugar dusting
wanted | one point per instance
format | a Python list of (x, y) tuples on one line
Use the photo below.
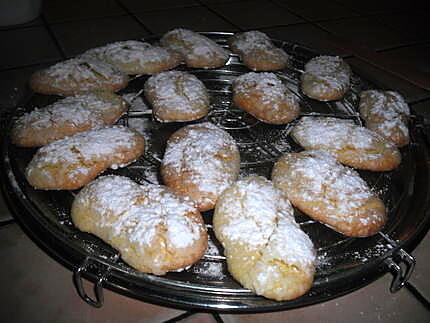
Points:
[(109, 195), (192, 45), (398, 103), (273, 90), (212, 249), (177, 91), (384, 112), (81, 69), (250, 40), (130, 52), (253, 212), (140, 210), (82, 149), (336, 134), (340, 187), (254, 40), (85, 109), (135, 101), (200, 153), (260, 217), (212, 270), (329, 73)]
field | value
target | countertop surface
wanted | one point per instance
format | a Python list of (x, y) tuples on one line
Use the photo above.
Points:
[(35, 288)]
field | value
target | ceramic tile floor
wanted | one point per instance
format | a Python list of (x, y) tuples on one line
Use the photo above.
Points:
[(36, 288), (66, 28)]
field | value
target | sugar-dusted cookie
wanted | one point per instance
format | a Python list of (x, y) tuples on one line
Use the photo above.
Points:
[(258, 52), (195, 49), (136, 57), (78, 75), (71, 163), (66, 117), (387, 113), (266, 97), (329, 192), (326, 78), (177, 96), (200, 161), (154, 230), (265, 248), (352, 145)]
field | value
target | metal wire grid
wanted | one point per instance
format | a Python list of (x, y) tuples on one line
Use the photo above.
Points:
[(260, 146)]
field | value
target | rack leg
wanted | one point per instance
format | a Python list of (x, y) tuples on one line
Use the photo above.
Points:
[(181, 317)]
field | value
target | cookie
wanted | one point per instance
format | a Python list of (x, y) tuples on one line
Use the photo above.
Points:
[(71, 163), (78, 75), (387, 113), (329, 192), (352, 144), (258, 52), (264, 96), (195, 49), (265, 248), (177, 97), (66, 117), (136, 57), (200, 161), (154, 230), (326, 78)]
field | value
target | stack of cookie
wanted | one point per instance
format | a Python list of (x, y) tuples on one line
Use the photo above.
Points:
[(160, 228)]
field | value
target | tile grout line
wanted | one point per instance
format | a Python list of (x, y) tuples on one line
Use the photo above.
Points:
[(316, 23), (219, 15), (411, 103), (418, 43), (124, 7), (364, 14), (29, 65), (131, 14), (313, 23), (348, 7), (376, 18), (51, 33), (19, 27), (411, 288), (357, 51), (393, 29), (356, 13), (340, 3), (55, 23), (305, 20), (281, 26), (418, 295)]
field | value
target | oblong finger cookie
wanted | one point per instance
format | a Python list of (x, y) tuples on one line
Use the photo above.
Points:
[(326, 78), (195, 49), (66, 117), (200, 161), (352, 145), (177, 96), (136, 57), (329, 192), (78, 75), (387, 113), (264, 96), (154, 230), (70, 163), (266, 250), (258, 52)]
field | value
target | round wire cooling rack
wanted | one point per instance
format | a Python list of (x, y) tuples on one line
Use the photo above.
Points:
[(344, 264)]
